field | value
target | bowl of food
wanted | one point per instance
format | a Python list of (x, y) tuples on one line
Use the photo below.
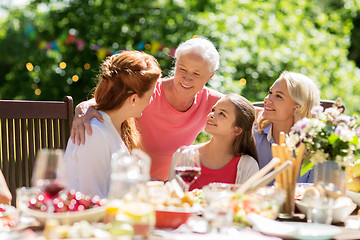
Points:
[(172, 217), (323, 199), (265, 201), (67, 208), (341, 209), (300, 189)]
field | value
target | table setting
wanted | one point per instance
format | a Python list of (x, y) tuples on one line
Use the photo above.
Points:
[(269, 205)]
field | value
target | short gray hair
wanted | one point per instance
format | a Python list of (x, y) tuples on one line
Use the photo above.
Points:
[(203, 47)]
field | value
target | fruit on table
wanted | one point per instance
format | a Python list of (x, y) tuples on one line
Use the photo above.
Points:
[(356, 169), (138, 211), (71, 201), (118, 228), (141, 216), (353, 184)]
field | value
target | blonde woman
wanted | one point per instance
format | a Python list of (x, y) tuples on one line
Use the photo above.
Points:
[(290, 98)]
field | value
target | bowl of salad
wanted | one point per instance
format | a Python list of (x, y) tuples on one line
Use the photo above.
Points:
[(265, 201)]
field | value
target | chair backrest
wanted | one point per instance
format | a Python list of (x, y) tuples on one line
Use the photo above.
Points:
[(324, 103), (26, 127)]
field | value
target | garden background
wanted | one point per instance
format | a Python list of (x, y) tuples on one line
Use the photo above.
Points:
[(52, 48)]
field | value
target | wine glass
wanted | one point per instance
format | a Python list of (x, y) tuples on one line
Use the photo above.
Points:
[(187, 164), (218, 212), (49, 174)]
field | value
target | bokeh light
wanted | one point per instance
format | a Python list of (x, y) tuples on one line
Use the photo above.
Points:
[(37, 91), (75, 78), (29, 66), (86, 66), (62, 65), (147, 46), (242, 81)]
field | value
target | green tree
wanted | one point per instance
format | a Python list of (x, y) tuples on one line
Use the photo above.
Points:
[(257, 40), (260, 39), (81, 34)]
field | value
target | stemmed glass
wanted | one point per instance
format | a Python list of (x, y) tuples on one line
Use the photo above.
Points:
[(187, 164), (218, 212), (49, 173)]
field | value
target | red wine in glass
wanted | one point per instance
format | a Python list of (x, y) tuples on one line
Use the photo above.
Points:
[(52, 187), (188, 174)]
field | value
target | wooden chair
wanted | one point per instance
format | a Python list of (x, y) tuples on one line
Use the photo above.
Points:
[(324, 103), (26, 127)]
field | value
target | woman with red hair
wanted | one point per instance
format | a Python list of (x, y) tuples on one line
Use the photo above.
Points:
[(126, 84)]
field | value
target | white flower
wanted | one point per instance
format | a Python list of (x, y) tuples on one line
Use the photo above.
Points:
[(293, 140), (330, 131), (316, 110), (319, 156), (331, 113), (344, 132), (348, 160), (339, 159)]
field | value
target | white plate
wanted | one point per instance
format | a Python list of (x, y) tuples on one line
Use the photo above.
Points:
[(297, 230), (309, 231), (314, 230)]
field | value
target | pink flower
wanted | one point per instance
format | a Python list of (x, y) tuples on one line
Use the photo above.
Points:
[(358, 131)]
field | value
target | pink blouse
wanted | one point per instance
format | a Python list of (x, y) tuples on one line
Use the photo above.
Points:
[(165, 129)]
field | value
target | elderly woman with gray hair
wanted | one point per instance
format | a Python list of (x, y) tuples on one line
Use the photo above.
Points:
[(290, 98), (178, 110)]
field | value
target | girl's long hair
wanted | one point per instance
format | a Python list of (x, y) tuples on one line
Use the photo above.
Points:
[(244, 143)]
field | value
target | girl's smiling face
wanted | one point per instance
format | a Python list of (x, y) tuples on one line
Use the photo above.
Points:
[(221, 119)]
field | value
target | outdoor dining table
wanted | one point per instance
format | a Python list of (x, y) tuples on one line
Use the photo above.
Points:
[(37, 232)]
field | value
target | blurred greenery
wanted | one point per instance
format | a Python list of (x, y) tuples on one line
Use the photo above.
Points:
[(257, 40)]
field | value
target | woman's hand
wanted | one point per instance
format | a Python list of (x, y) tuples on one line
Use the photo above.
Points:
[(84, 112)]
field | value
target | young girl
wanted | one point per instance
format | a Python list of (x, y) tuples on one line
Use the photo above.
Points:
[(230, 155), (290, 98), (126, 84)]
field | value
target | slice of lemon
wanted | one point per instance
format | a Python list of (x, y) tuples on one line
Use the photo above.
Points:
[(113, 207), (138, 210)]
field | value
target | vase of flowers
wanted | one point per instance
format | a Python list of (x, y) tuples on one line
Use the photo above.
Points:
[(332, 176), (332, 141)]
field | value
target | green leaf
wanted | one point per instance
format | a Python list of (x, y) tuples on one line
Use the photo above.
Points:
[(333, 138), (306, 166)]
